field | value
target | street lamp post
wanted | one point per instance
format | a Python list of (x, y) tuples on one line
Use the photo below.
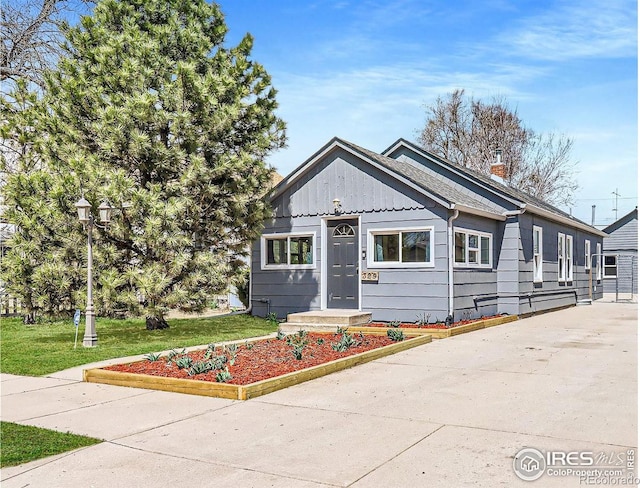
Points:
[(84, 215)]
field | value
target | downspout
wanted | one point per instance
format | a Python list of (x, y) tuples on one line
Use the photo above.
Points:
[(449, 319)]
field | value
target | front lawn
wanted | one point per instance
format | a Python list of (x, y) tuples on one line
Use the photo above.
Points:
[(45, 348), (23, 443)]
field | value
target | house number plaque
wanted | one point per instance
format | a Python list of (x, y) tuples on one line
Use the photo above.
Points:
[(369, 276)]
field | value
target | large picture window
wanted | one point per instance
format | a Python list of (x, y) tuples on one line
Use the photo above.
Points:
[(472, 248), (288, 251), (400, 248), (537, 254)]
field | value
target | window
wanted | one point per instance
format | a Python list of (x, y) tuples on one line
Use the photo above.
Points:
[(537, 254), (472, 249), (610, 266), (400, 248), (569, 257), (288, 251), (561, 257), (587, 255), (598, 261)]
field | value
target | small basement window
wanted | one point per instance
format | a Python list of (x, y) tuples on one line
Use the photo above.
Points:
[(288, 251)]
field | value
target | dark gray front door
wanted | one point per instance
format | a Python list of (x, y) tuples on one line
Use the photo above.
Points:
[(342, 264)]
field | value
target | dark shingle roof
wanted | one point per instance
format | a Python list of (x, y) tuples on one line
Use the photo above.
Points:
[(423, 179), (513, 193)]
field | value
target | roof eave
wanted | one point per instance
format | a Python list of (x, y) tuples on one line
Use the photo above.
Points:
[(564, 220), (479, 212)]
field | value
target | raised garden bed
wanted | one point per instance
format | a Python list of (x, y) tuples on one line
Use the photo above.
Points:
[(259, 367), (437, 331)]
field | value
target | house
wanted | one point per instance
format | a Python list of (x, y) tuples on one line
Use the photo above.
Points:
[(620, 259), (405, 233)]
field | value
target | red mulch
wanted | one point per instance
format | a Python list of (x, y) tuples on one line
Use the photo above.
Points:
[(439, 325), (267, 359)]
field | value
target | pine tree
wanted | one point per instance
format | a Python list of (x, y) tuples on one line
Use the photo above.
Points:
[(150, 110)]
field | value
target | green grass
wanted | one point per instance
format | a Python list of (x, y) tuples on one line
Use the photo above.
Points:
[(23, 443), (47, 347)]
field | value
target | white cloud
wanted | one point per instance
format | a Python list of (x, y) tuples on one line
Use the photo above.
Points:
[(583, 29)]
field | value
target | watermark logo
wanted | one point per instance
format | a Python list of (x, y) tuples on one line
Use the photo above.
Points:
[(591, 468), (529, 464)]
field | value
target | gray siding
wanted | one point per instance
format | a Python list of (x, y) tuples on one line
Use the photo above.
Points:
[(623, 242), (475, 289), (359, 186), (403, 293), (552, 293)]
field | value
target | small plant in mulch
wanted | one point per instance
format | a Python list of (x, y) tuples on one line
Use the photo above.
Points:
[(223, 376), (395, 335), (423, 319), (248, 345), (184, 362), (153, 356), (280, 335), (394, 323), (298, 342), (345, 342), (233, 353)]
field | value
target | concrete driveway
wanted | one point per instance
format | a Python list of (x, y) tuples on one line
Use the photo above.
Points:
[(448, 414)]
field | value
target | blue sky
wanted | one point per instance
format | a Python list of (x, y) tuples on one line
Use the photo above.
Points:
[(363, 71)]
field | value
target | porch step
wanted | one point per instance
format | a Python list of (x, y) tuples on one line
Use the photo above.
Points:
[(586, 301), (333, 316), (325, 320)]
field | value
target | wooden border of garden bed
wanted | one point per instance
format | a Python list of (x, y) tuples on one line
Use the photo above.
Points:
[(438, 333), (252, 390)]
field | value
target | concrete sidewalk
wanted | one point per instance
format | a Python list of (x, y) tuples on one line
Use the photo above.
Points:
[(450, 413)]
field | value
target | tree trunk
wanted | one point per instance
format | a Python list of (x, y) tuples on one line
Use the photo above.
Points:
[(154, 323), (29, 318)]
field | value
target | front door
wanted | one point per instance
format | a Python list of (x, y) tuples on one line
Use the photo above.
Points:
[(342, 264)]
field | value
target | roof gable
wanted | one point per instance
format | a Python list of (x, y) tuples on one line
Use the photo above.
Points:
[(622, 221), (436, 189)]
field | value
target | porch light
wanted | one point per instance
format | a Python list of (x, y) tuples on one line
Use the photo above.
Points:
[(105, 212), (336, 205), (84, 214)]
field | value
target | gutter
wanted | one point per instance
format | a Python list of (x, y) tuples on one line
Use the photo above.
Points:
[(450, 220)]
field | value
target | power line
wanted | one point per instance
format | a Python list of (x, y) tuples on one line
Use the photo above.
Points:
[(601, 199)]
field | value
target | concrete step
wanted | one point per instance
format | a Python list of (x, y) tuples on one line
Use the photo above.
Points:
[(292, 328), (331, 318)]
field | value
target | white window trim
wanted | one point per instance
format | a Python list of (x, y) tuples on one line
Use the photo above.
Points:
[(587, 255), (562, 248), (605, 266), (373, 264), (466, 264), (569, 258), (598, 261), (538, 276), (263, 251)]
